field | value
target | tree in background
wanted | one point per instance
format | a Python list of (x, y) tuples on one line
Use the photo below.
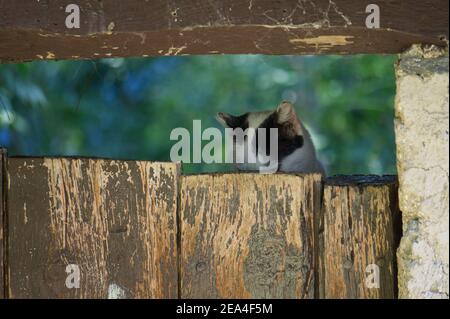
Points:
[(126, 108)]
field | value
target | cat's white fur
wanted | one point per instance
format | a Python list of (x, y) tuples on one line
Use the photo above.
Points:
[(302, 160)]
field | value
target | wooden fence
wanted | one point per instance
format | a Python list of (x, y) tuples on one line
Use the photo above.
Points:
[(142, 230)]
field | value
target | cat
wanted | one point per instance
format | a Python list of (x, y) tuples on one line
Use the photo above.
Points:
[(296, 152)]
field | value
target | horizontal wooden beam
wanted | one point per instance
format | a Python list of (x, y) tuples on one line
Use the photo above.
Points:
[(36, 30)]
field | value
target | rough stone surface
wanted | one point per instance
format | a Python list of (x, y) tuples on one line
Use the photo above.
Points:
[(421, 129)]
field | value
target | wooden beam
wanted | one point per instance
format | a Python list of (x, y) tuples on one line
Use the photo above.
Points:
[(35, 30), (248, 235), (359, 234), (114, 220)]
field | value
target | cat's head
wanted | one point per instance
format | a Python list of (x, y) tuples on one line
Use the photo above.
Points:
[(288, 138)]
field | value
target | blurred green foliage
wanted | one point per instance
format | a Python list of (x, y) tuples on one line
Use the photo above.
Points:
[(126, 108)]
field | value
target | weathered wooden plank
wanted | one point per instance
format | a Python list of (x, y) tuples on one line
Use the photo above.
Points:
[(248, 235), (33, 30), (3, 230), (115, 220), (360, 228)]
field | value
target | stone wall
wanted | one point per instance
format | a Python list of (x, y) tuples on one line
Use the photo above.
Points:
[(421, 129)]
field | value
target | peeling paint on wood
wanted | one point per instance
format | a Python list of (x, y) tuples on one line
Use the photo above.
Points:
[(158, 27), (116, 292), (116, 220), (324, 42), (360, 226), (248, 235)]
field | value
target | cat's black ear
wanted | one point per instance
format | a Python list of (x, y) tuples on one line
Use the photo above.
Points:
[(287, 118), (223, 118), (228, 120)]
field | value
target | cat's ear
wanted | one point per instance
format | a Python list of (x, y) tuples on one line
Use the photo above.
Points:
[(228, 120), (288, 118), (224, 119)]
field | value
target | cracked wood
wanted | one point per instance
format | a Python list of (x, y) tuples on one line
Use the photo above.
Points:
[(35, 30), (248, 235), (116, 220), (360, 226), (237, 235)]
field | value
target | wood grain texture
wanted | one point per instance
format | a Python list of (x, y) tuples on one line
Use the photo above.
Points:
[(35, 30), (360, 227), (3, 229), (248, 235), (116, 220)]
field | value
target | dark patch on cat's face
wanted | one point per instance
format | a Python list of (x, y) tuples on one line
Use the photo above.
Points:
[(287, 142), (235, 121), (289, 139)]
